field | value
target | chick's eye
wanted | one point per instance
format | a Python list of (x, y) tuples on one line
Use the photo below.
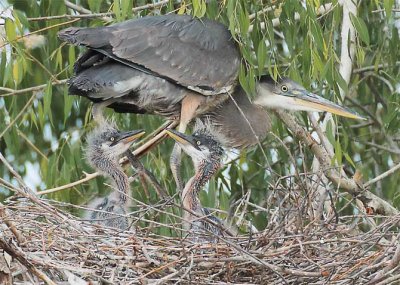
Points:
[(284, 88), (198, 142), (112, 139)]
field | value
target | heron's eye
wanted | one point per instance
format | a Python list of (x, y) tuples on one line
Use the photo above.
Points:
[(284, 88), (198, 142), (112, 139)]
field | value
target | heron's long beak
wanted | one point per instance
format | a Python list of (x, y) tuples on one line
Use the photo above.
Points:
[(128, 137), (313, 102), (182, 139)]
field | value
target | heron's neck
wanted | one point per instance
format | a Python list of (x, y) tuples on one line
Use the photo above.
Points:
[(190, 196), (113, 170)]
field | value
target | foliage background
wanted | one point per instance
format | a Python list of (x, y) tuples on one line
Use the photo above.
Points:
[(42, 130)]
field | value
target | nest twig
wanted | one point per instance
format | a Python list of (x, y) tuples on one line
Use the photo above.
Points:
[(294, 248)]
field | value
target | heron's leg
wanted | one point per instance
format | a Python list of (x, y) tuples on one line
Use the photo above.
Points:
[(189, 107), (98, 109)]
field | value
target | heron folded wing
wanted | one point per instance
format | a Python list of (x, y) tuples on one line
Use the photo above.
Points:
[(192, 52), (199, 54)]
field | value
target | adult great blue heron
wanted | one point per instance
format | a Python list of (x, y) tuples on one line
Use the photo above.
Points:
[(179, 66), (104, 147), (206, 152)]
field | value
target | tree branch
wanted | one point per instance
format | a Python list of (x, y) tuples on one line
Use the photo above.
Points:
[(15, 253), (87, 14), (11, 92), (368, 199), (383, 175)]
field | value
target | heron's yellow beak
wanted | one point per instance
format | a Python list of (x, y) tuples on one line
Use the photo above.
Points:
[(128, 137), (182, 139), (313, 102)]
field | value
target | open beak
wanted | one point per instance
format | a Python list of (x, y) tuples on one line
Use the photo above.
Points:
[(128, 137), (182, 139), (314, 102)]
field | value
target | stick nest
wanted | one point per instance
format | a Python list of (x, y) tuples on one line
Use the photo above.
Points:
[(50, 245)]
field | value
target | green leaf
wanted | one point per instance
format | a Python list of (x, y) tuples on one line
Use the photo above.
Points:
[(361, 28), (316, 33), (348, 158), (199, 8), (71, 58), (388, 5), (126, 9), (48, 94), (317, 65), (261, 56), (11, 32), (117, 10), (242, 79), (59, 59), (338, 152), (33, 118), (95, 5), (3, 62), (329, 132), (68, 101), (244, 21), (341, 82), (21, 18), (16, 72), (40, 115)]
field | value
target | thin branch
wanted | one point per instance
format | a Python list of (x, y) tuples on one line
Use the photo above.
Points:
[(349, 185), (381, 147), (322, 10), (27, 192), (88, 177), (38, 31), (383, 175), (30, 89), (375, 67), (383, 10), (30, 101), (3, 214), (15, 253), (89, 15), (77, 8), (34, 147)]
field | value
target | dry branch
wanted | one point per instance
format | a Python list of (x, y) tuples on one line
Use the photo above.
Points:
[(369, 200), (54, 251)]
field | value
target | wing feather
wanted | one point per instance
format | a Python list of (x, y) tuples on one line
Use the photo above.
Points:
[(199, 54)]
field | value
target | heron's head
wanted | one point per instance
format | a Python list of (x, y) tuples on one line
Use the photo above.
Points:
[(289, 95), (109, 212), (202, 146), (107, 142)]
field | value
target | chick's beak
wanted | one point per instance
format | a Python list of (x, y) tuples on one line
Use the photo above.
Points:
[(313, 102), (182, 139), (128, 137)]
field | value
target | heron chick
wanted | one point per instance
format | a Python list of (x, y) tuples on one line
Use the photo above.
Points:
[(206, 152), (104, 147), (109, 212)]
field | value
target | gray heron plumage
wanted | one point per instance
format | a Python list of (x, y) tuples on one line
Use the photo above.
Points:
[(105, 145), (182, 67)]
